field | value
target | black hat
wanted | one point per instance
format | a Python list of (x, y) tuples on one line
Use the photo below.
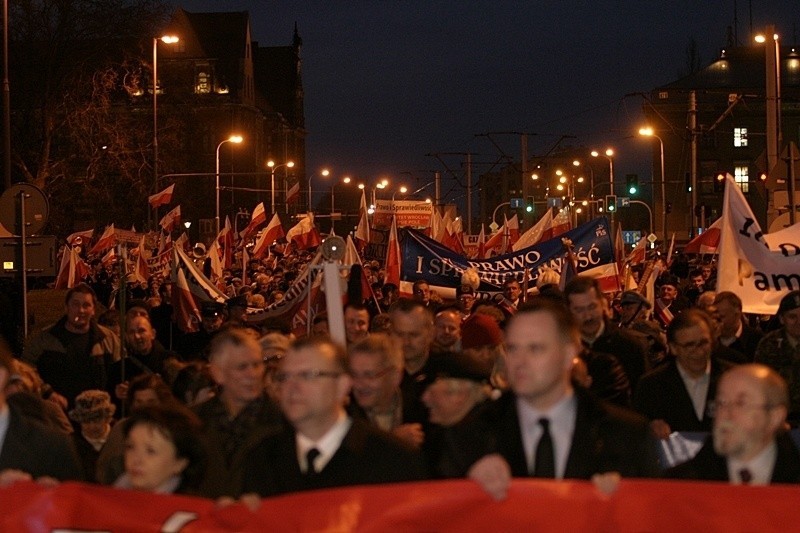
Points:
[(790, 302), (633, 297), (212, 309), (237, 301), (457, 365), (465, 289)]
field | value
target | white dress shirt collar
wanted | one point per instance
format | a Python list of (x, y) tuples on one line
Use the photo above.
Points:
[(326, 445)]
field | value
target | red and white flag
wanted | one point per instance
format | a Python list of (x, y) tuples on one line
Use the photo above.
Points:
[(182, 242), (707, 242), (225, 240), (72, 269), (80, 238), (505, 238), (561, 224), (109, 258), (258, 217), (537, 232), (304, 234), (184, 307), (637, 255), (362, 231), (481, 245), (171, 220), (437, 226), (453, 236), (393, 256), (142, 271), (293, 194), (214, 253), (271, 233), (162, 198), (670, 250), (107, 240)]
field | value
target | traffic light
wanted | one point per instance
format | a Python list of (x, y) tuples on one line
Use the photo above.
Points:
[(632, 183), (601, 205), (668, 208), (529, 207), (611, 202)]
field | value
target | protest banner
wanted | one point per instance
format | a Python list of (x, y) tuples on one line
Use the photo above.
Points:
[(424, 258), (411, 213)]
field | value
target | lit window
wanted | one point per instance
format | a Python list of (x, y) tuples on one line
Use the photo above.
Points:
[(739, 137), (741, 174), (203, 85)]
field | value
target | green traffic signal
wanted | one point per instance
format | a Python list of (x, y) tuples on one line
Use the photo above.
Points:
[(529, 209)]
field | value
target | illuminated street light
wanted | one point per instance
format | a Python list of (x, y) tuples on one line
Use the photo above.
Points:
[(235, 139), (648, 131), (273, 167), (324, 173), (166, 39)]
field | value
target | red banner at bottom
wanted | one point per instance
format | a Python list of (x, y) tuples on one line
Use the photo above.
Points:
[(430, 506)]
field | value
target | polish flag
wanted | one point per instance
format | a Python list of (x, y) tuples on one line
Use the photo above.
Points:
[(536, 233), (362, 231), (171, 219), (305, 235), (161, 198), (437, 226), (84, 236), (107, 240), (184, 307), (72, 269), (258, 217), (481, 245), (271, 233), (225, 239), (393, 256), (638, 253), (504, 239), (452, 237), (560, 224), (293, 194), (142, 271), (707, 242), (216, 263), (109, 258), (182, 242)]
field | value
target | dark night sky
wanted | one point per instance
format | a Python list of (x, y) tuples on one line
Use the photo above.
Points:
[(387, 82)]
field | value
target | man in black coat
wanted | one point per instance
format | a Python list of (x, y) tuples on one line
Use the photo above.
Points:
[(675, 396), (321, 446), (749, 444), (545, 427), (27, 446)]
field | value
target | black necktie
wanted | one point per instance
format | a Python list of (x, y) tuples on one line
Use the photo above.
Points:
[(545, 462), (746, 476), (311, 455)]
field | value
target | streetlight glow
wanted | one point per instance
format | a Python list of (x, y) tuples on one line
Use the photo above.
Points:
[(236, 139), (403, 189), (361, 186), (609, 152), (170, 39), (346, 179)]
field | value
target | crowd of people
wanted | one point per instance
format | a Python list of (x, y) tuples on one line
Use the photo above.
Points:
[(562, 383)]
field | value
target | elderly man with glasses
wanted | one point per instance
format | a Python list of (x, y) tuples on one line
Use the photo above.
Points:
[(749, 445)]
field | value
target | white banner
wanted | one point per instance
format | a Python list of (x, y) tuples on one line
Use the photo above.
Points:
[(761, 269)]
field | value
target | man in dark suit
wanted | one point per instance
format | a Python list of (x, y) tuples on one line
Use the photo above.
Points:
[(323, 447), (28, 449), (546, 427), (590, 309), (734, 332), (749, 445), (674, 397)]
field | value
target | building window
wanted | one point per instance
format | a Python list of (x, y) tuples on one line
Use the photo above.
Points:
[(739, 137), (741, 174), (203, 83)]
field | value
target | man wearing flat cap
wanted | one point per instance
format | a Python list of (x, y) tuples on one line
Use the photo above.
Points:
[(93, 412), (634, 312), (780, 349), (458, 390)]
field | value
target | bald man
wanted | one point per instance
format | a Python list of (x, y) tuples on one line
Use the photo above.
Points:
[(749, 444)]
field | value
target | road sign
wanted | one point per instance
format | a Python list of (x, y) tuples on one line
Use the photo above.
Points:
[(516, 203), (652, 238), (624, 201)]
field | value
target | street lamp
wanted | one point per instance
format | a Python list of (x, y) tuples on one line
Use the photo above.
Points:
[(647, 131), (166, 39), (403, 190), (235, 139), (273, 167), (608, 155), (324, 173)]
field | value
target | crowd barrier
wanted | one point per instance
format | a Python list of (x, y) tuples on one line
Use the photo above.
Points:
[(457, 505)]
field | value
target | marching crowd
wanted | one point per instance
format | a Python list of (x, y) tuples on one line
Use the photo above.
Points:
[(560, 383)]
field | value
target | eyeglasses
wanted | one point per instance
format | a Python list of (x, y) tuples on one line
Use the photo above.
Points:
[(736, 405), (370, 376), (273, 358), (693, 345), (306, 376)]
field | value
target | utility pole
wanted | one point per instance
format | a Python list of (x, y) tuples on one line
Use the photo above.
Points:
[(693, 164)]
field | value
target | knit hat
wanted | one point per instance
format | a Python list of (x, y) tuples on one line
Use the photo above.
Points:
[(480, 330), (91, 406)]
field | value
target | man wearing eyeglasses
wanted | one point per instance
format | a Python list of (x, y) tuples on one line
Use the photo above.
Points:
[(675, 396), (749, 444), (323, 447)]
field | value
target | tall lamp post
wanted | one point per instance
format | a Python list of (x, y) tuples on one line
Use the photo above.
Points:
[(647, 131), (235, 139), (609, 153), (166, 39), (324, 173), (272, 168)]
